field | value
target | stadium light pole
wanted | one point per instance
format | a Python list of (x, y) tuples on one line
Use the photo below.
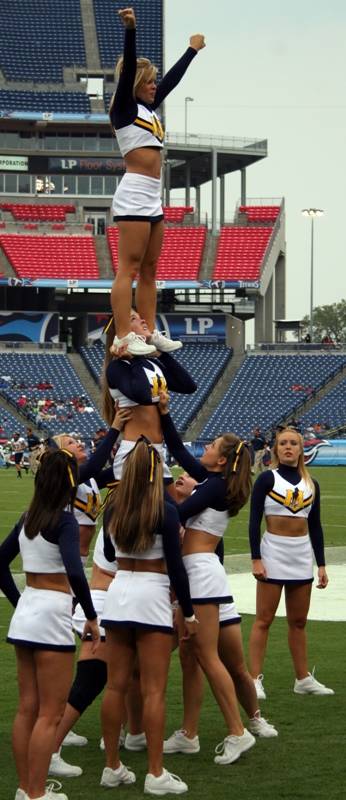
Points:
[(312, 213), (187, 100)]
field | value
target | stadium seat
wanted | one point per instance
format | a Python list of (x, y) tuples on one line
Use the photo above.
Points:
[(181, 254), (33, 256)]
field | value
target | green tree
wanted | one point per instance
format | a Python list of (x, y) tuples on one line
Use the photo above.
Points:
[(327, 321)]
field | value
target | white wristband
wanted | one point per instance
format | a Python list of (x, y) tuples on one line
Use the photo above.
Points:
[(191, 619)]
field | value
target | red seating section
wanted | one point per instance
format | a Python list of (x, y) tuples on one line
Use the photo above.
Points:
[(240, 253), (66, 257), (176, 213), (260, 213), (38, 213), (181, 253)]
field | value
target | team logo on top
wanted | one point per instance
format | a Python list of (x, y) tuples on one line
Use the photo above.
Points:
[(294, 499)]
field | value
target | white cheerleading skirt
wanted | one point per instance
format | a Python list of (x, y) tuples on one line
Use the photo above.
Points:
[(228, 615), (139, 599), (138, 199), (79, 618), (287, 559), (125, 447), (43, 620), (207, 578)]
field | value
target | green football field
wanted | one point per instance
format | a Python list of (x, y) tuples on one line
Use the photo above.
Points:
[(307, 760)]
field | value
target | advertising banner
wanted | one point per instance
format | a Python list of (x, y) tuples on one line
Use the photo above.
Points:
[(14, 163), (86, 166), (28, 327)]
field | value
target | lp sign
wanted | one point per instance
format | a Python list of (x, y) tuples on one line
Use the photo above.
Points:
[(198, 325)]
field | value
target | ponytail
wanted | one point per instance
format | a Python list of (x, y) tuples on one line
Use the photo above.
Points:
[(237, 472)]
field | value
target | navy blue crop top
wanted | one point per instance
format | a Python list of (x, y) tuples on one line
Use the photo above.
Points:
[(130, 378), (66, 536), (169, 530), (210, 491), (264, 484), (124, 107)]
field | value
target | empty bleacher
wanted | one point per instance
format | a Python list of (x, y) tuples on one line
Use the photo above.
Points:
[(27, 371), (268, 388), (35, 256), (59, 102), (240, 252), (204, 361), (38, 213), (181, 254), (260, 213), (38, 39), (331, 409), (110, 31), (176, 214)]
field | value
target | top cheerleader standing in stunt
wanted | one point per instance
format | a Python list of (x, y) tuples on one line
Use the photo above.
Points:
[(290, 500), (137, 204)]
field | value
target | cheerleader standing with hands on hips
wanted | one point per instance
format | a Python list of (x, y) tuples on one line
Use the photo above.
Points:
[(137, 203)]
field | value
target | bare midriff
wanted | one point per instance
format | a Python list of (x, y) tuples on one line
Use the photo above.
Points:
[(145, 420), (199, 542), (100, 579), (53, 581), (143, 565), (144, 161), (284, 526)]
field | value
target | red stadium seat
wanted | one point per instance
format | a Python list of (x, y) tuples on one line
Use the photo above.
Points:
[(67, 257)]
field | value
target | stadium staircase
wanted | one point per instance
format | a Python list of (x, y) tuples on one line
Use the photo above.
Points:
[(10, 411), (86, 379), (104, 258), (193, 431)]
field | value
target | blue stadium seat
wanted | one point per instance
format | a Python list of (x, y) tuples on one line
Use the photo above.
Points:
[(268, 388), (70, 102), (110, 31), (27, 370), (331, 409)]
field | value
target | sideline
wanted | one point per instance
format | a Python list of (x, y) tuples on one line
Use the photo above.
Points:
[(328, 605)]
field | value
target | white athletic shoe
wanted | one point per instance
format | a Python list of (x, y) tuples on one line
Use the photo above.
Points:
[(232, 747), (135, 344), (167, 783), (180, 743), (135, 741), (121, 739), (261, 695), (52, 794), (163, 343), (74, 739), (114, 777), (260, 727), (310, 685), (62, 769), (21, 795)]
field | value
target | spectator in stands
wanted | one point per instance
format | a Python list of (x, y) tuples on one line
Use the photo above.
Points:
[(35, 448), (258, 443), (136, 203), (46, 536), (17, 444), (290, 500), (135, 382)]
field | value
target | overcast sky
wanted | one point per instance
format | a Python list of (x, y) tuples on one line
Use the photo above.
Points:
[(275, 70)]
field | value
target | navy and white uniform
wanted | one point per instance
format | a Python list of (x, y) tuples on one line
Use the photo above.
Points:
[(18, 447), (138, 381), (287, 559), (136, 125), (97, 595), (205, 509), (142, 599), (43, 618)]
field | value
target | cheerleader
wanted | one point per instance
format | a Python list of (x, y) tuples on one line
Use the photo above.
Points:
[(137, 204), (224, 484), (47, 538), (231, 652), (144, 534), (135, 383), (290, 500)]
